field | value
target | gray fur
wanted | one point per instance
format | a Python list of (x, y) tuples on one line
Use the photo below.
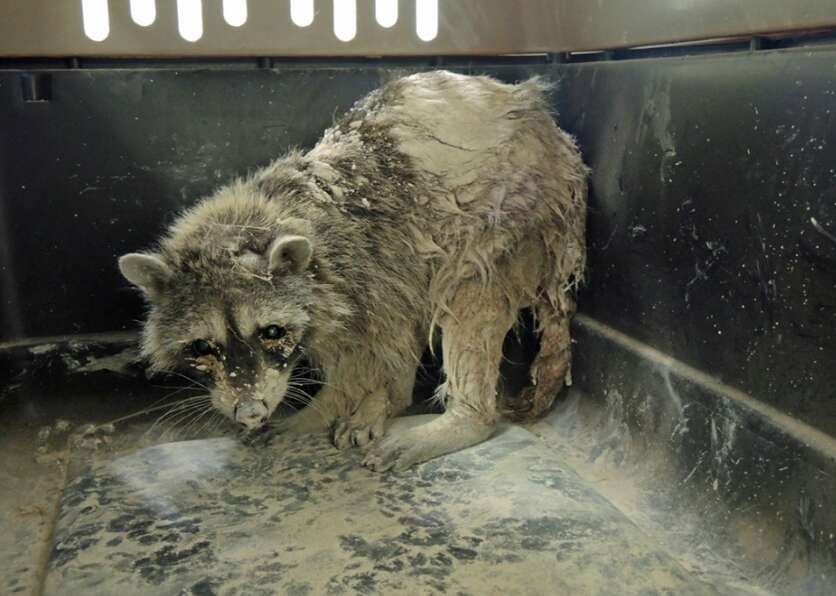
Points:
[(147, 272), (439, 201)]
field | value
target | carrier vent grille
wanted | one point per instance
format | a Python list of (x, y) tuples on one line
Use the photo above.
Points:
[(96, 16)]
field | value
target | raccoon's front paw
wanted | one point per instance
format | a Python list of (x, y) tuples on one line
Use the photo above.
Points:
[(350, 432)]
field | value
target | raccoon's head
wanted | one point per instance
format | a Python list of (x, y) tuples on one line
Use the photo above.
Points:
[(231, 307)]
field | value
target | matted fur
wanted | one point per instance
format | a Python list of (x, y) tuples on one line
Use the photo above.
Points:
[(436, 185)]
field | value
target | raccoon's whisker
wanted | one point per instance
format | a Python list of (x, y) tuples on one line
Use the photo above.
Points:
[(180, 387), (178, 390), (178, 409), (171, 418), (154, 408), (189, 415), (175, 392), (315, 407), (295, 383), (174, 423), (296, 391), (307, 369), (291, 387), (197, 418), (296, 388), (191, 399), (197, 383), (207, 424), (301, 385), (217, 422), (177, 406), (305, 381), (181, 423), (139, 413), (300, 404), (187, 405), (299, 379), (297, 403), (298, 396)]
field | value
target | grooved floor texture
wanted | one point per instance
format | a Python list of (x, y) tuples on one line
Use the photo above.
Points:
[(214, 516)]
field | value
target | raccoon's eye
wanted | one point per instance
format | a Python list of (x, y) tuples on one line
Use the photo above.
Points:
[(273, 332), (201, 347)]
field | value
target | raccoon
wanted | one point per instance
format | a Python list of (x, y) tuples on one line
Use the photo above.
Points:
[(438, 205)]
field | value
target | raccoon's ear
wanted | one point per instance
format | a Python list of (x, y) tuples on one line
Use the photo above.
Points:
[(290, 253), (147, 272)]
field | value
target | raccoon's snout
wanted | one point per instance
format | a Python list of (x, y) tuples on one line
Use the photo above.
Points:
[(251, 414)]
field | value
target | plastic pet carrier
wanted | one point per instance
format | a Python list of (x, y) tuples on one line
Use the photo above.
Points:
[(693, 453)]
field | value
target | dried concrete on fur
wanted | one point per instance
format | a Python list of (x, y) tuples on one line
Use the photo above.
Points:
[(214, 517), (439, 202)]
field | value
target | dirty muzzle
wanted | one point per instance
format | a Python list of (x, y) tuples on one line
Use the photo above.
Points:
[(251, 414)]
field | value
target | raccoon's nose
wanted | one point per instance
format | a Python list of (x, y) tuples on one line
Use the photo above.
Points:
[(251, 414)]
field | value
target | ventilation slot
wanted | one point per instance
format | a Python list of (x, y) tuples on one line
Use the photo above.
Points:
[(235, 12), (426, 19), (302, 12), (345, 19), (143, 12), (96, 19), (190, 19), (386, 12)]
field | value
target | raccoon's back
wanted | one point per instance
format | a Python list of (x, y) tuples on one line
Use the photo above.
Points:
[(464, 130), (461, 169)]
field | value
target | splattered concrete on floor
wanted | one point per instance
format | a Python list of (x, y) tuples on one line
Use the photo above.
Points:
[(214, 516)]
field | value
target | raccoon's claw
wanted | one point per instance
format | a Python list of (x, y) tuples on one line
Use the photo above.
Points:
[(395, 453), (398, 451), (347, 433), (380, 461)]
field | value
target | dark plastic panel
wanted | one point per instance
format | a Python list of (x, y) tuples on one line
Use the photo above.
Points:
[(712, 214), (713, 220)]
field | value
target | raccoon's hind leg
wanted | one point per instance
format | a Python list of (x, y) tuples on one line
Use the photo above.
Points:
[(472, 339), (551, 367)]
